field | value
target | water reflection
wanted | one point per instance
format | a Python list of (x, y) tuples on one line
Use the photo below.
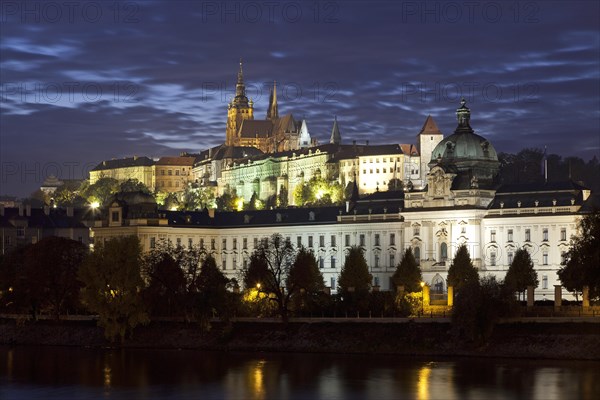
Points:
[(65, 373)]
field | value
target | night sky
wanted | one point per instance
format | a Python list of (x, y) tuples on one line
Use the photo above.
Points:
[(86, 81)]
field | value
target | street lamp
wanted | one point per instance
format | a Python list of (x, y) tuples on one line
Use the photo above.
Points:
[(422, 297), (258, 286)]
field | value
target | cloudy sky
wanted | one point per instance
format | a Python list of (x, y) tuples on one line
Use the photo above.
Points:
[(86, 81)]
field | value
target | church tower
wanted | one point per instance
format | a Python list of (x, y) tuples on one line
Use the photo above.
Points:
[(239, 109), (272, 112), (429, 137), (336, 137)]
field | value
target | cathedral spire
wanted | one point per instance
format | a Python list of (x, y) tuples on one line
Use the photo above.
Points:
[(336, 137), (273, 112), (240, 88), (463, 115)]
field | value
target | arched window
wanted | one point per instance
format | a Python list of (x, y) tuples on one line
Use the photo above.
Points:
[(417, 252), (444, 251)]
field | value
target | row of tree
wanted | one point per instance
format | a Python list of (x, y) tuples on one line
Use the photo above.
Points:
[(126, 287)]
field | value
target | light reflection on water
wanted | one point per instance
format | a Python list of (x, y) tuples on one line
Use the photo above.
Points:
[(70, 373)]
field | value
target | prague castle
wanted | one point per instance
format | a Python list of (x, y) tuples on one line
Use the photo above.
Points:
[(451, 197)]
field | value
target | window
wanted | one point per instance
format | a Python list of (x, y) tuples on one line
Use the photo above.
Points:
[(224, 246), (332, 262), (444, 251), (162, 172), (362, 239), (376, 261), (178, 242), (224, 263), (256, 242), (190, 243), (392, 239), (202, 243), (376, 281), (332, 283), (377, 239), (245, 263), (563, 234), (244, 243), (563, 257), (493, 258), (544, 281), (493, 236), (152, 242), (545, 235), (20, 232), (322, 241), (235, 243), (510, 257), (510, 235), (213, 244), (321, 263), (545, 258), (115, 216), (310, 241), (527, 235), (333, 244), (418, 254), (416, 230), (176, 172), (347, 240), (234, 262), (170, 172)]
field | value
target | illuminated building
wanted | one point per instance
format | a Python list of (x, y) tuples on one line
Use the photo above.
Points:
[(462, 203)]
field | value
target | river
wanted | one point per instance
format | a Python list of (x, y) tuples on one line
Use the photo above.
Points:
[(74, 373)]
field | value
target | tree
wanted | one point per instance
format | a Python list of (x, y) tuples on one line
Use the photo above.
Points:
[(355, 274), (304, 272), (479, 306), (318, 191), (461, 270), (408, 273), (196, 197), (395, 184), (101, 191), (268, 271), (355, 280), (583, 259), (112, 283), (212, 286), (282, 197), (520, 272), (167, 286), (305, 280), (51, 267), (69, 194), (134, 185)]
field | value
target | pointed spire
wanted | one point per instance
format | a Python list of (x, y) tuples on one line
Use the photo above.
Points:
[(304, 135), (336, 137), (240, 88), (273, 112), (463, 115), (430, 127)]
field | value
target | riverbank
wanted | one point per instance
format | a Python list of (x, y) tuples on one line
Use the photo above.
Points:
[(575, 339)]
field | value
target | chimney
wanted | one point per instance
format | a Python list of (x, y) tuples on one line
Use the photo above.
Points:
[(20, 210), (1, 210), (28, 210), (135, 158), (69, 211), (47, 210)]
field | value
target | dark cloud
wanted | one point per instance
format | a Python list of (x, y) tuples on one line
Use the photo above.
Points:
[(154, 77)]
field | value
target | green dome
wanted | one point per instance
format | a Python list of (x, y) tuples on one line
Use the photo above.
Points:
[(464, 146), (467, 154)]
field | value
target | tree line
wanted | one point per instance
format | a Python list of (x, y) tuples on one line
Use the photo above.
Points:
[(126, 287)]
